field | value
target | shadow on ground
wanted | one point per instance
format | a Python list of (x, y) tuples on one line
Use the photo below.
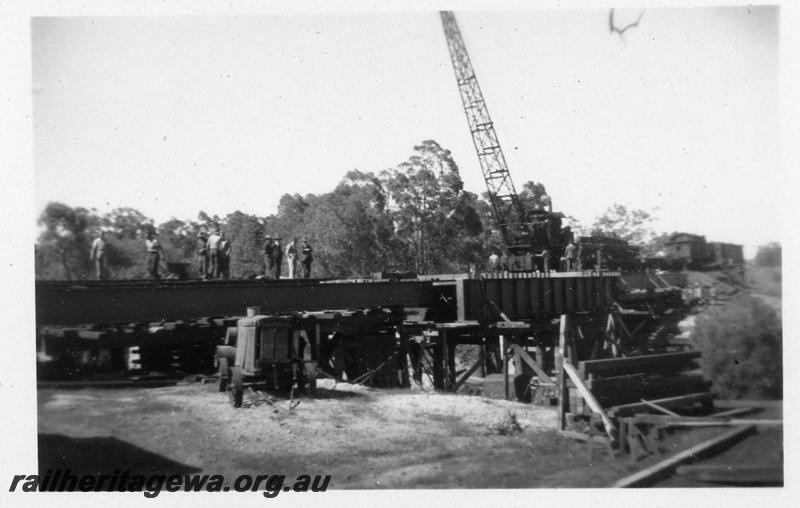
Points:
[(103, 455)]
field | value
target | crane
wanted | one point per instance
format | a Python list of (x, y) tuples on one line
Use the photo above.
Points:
[(503, 196), (523, 231)]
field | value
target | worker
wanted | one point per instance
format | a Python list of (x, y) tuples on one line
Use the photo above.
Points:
[(570, 253), (494, 261), (277, 255), (306, 258), (291, 257), (269, 257), (154, 253), (212, 244), (503, 262), (600, 258), (98, 256), (224, 257), (201, 254)]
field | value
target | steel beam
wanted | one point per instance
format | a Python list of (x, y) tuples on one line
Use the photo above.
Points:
[(64, 303)]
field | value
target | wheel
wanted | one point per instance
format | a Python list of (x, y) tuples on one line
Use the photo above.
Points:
[(224, 374), (237, 386)]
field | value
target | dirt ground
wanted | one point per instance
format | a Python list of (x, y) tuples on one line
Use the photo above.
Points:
[(365, 438)]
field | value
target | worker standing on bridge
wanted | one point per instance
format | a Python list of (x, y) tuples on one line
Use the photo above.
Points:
[(269, 257), (201, 254), (291, 257), (494, 261), (570, 253), (98, 256), (224, 257), (306, 258), (277, 254), (503, 262), (154, 253), (213, 253)]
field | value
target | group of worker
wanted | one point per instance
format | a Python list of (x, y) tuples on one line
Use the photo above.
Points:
[(274, 253), (213, 256), (570, 261)]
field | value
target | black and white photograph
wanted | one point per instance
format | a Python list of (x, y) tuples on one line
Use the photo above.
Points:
[(308, 251)]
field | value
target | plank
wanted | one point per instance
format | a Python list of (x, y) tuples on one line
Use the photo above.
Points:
[(650, 388), (652, 473), (659, 408), (637, 364), (589, 398), (692, 398), (736, 412), (540, 373), (469, 372), (735, 474), (694, 421), (561, 379), (583, 437)]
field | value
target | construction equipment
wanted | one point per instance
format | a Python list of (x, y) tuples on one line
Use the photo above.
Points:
[(532, 237), (524, 231)]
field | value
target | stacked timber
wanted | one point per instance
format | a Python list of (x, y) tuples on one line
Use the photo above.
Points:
[(625, 386)]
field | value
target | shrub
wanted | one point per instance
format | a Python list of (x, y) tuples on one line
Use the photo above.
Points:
[(742, 349)]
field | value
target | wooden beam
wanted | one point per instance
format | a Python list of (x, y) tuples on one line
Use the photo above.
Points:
[(589, 398), (659, 408), (583, 437), (632, 363), (525, 357), (504, 356), (651, 474), (445, 361), (695, 421), (627, 409), (736, 412), (561, 378), (735, 474), (469, 372)]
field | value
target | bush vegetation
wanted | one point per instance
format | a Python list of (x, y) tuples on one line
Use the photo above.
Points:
[(742, 349)]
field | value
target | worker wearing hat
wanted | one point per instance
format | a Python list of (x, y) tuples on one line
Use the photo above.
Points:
[(212, 244), (98, 256), (291, 257), (201, 254), (277, 256), (224, 257), (306, 258), (269, 257), (154, 253)]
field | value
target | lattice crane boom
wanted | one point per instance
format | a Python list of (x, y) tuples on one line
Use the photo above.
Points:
[(505, 202)]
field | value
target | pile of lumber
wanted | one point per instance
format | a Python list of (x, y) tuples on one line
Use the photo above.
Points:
[(648, 383)]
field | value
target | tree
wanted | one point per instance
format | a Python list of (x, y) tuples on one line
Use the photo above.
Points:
[(531, 195), (655, 246), (125, 222), (630, 225), (246, 235), (425, 196), (742, 346), (65, 242)]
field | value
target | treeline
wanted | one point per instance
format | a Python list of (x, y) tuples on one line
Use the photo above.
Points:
[(415, 217)]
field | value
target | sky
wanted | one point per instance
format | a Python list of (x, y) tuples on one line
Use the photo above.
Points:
[(176, 114)]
